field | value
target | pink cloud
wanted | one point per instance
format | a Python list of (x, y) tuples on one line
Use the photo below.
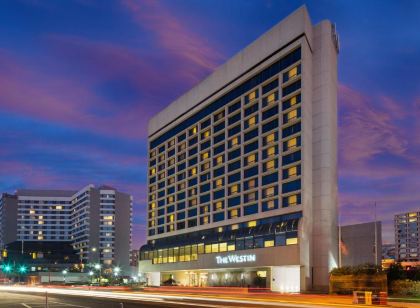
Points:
[(194, 52)]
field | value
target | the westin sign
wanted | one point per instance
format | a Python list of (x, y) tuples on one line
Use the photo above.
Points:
[(235, 259)]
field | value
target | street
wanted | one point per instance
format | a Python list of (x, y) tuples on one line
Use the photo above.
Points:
[(92, 299)]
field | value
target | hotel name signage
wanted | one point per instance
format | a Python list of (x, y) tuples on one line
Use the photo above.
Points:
[(236, 259)]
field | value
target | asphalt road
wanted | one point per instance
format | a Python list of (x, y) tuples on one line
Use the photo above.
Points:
[(36, 300)]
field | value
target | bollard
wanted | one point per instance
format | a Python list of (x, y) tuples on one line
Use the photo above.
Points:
[(121, 305), (46, 299)]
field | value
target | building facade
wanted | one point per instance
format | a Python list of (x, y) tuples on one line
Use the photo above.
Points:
[(242, 169), (361, 244), (407, 239), (95, 222)]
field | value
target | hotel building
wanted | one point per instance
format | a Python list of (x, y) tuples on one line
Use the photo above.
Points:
[(96, 222), (407, 238), (242, 183)]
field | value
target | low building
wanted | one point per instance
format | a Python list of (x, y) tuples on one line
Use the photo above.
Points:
[(359, 246)]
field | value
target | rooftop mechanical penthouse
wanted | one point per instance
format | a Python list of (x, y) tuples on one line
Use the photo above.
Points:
[(242, 177)]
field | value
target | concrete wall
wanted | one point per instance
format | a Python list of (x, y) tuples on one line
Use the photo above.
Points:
[(359, 244), (122, 230)]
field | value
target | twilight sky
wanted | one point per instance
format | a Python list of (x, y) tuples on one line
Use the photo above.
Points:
[(80, 79)]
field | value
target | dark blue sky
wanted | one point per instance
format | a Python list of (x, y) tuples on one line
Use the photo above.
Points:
[(80, 79)]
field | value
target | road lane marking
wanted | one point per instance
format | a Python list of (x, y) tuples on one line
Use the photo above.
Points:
[(69, 305), (25, 305)]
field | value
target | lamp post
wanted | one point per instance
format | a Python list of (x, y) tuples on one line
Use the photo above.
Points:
[(97, 267), (117, 271), (91, 276), (64, 276)]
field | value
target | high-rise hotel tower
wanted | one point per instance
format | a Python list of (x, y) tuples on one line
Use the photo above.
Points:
[(243, 169)]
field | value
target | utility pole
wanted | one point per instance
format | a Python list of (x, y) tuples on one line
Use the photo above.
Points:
[(339, 238), (376, 238)]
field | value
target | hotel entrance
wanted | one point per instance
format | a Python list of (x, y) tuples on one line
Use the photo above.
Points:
[(241, 277)]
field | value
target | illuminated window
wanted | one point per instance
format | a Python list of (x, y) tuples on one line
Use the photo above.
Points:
[(252, 96), (219, 205), (161, 176), (108, 217), (269, 192), (234, 141), (269, 243), (181, 186), (152, 214), (193, 130), (252, 121), (271, 98), (153, 171), (170, 199), (161, 157), (251, 196), (270, 138), (252, 223), (193, 171), (31, 211), (205, 134), (292, 114), (220, 229), (40, 237), (292, 171), (231, 247), (235, 227), (214, 247), (293, 72), (41, 217), (293, 100), (291, 241), (271, 151), (270, 204), (234, 213), (206, 219), (40, 222), (208, 248), (223, 247), (219, 160), (171, 180), (251, 183), (292, 200), (234, 189), (206, 209), (219, 182), (251, 159), (152, 223), (153, 153), (171, 218), (412, 215), (271, 164), (59, 207), (291, 143), (171, 162), (205, 155)]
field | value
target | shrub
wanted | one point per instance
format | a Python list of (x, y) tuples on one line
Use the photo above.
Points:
[(363, 269), (405, 287)]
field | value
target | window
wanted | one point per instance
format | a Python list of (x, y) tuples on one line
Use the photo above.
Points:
[(171, 218), (268, 243), (218, 183), (271, 151), (292, 171), (161, 157), (192, 202), (270, 204), (205, 134), (291, 241), (234, 189), (292, 200), (170, 199), (270, 138), (251, 96), (291, 115), (251, 121), (153, 171), (234, 141), (205, 155), (223, 247), (193, 171), (252, 223), (251, 159), (233, 213), (293, 72), (219, 160), (269, 165), (269, 192), (271, 98), (251, 196), (231, 247), (171, 162), (218, 206), (182, 147), (171, 143), (251, 183), (192, 192), (205, 166), (219, 116), (193, 130)]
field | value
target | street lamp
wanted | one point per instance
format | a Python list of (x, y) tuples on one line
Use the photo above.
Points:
[(91, 276), (97, 266), (64, 275)]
